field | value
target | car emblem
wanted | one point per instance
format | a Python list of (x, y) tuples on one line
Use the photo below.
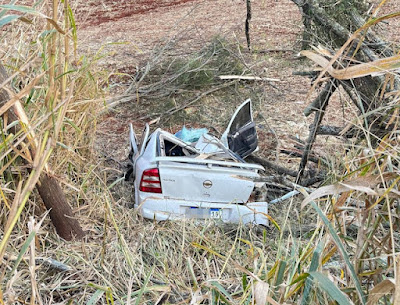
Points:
[(207, 184)]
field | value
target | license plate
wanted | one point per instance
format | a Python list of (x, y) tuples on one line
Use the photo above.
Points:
[(215, 213), (203, 213)]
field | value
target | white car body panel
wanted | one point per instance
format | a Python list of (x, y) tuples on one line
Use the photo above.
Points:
[(185, 181), (208, 182)]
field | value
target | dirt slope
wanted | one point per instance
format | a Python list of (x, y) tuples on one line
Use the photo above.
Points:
[(139, 26)]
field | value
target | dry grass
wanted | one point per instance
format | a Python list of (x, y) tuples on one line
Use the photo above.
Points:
[(337, 247)]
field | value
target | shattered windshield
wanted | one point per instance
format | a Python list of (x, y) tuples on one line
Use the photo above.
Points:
[(170, 147)]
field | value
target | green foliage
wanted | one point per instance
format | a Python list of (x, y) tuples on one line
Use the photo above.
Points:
[(8, 19), (330, 288), (342, 7), (343, 251), (200, 70)]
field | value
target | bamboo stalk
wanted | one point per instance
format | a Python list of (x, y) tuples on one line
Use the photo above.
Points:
[(66, 51), (38, 166), (50, 96)]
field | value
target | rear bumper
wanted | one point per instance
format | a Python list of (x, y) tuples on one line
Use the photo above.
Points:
[(167, 209)]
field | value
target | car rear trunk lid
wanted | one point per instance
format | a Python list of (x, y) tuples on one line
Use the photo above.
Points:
[(206, 180)]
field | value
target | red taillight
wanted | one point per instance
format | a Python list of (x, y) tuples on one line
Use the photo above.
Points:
[(150, 182)]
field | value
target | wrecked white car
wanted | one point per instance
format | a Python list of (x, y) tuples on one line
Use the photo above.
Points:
[(202, 179)]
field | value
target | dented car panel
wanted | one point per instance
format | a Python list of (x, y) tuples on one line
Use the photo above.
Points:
[(204, 180), (169, 209)]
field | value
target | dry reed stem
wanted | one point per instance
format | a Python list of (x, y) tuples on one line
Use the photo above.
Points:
[(16, 97)]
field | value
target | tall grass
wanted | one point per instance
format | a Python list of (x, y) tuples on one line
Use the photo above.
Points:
[(348, 255), (52, 95)]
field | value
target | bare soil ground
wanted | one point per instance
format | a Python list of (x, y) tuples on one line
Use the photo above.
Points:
[(139, 26)]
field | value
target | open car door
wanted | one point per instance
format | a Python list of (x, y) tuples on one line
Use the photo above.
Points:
[(136, 149), (241, 135), (132, 139)]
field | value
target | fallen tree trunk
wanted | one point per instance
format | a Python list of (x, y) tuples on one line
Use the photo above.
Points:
[(61, 214)]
